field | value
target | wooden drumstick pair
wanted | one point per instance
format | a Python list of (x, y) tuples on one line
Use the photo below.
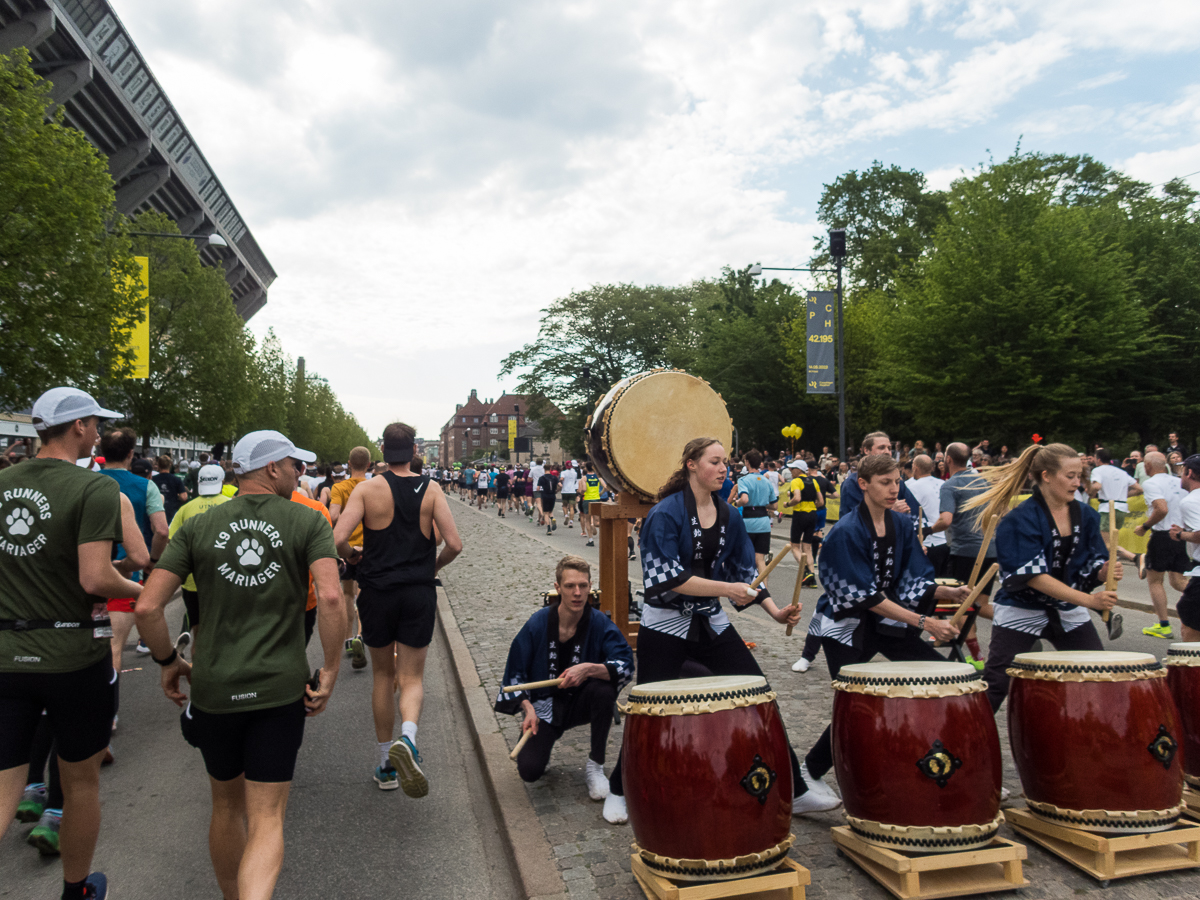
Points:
[(974, 594), (796, 591), (1114, 622), (528, 686)]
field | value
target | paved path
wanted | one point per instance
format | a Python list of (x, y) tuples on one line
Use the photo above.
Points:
[(344, 837), (496, 585)]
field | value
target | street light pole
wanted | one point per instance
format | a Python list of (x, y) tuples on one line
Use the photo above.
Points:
[(841, 369)]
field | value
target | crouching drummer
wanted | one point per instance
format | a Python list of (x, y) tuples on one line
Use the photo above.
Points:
[(574, 641)]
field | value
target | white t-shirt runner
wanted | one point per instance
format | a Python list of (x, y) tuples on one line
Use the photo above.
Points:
[(1164, 486), (570, 480), (928, 491), (1114, 485), (1189, 514)]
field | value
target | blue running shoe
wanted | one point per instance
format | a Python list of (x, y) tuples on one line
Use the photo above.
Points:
[(407, 762), (95, 887), (386, 778)]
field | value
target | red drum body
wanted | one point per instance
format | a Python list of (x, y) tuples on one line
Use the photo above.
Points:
[(707, 777), (917, 755), (1183, 680), (1095, 738)]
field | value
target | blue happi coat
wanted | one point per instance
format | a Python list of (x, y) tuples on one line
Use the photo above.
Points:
[(848, 575), (528, 658), (850, 498), (1027, 544)]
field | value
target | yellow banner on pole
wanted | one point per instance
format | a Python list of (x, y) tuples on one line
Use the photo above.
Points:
[(137, 337), (512, 432)]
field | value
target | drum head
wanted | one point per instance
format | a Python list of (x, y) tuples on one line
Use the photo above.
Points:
[(1099, 659), (1186, 654), (907, 672), (698, 687), (909, 680), (649, 421)]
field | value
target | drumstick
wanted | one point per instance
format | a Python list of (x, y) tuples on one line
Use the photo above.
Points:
[(796, 591), (983, 549), (770, 566), (529, 686), (1110, 583), (974, 595), (521, 743)]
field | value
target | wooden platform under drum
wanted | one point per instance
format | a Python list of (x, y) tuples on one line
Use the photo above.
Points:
[(1106, 857), (915, 876), (1191, 803), (785, 883)]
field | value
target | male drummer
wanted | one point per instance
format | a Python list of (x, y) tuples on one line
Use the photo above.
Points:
[(574, 641), (877, 580)]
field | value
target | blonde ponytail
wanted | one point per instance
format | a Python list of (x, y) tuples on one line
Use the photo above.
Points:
[(1007, 482)]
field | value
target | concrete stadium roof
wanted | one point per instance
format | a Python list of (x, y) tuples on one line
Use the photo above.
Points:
[(108, 92)]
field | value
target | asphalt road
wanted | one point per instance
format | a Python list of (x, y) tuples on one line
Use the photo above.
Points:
[(344, 837)]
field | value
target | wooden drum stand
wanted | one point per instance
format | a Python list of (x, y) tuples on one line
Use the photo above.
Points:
[(614, 559)]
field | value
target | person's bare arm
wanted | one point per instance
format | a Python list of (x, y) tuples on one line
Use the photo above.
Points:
[(443, 520), (331, 623), (1052, 587), (152, 628), (158, 535), (1135, 489), (97, 575), (1093, 489), (137, 557), (1158, 511), (335, 510), (889, 609), (345, 523)]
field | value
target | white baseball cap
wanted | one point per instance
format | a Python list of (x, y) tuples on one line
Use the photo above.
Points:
[(799, 464), (66, 404), (259, 448), (209, 480)]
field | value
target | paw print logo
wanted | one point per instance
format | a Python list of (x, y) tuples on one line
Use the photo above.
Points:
[(19, 522), (250, 552)]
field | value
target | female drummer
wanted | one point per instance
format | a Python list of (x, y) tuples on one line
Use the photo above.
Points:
[(1051, 559), (694, 550)]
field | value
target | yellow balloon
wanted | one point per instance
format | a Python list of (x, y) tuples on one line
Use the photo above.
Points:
[(799, 431)]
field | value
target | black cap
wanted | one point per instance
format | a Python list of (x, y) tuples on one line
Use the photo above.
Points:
[(398, 450), (1193, 463)]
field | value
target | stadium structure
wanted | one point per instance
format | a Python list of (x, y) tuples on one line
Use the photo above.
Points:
[(108, 92)]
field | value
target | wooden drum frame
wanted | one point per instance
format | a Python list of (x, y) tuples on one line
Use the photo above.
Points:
[(917, 756), (1095, 737), (637, 432), (708, 777)]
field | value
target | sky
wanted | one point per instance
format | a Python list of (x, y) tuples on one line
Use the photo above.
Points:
[(426, 178)]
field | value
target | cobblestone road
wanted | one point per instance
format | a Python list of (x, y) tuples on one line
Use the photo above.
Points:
[(496, 585)]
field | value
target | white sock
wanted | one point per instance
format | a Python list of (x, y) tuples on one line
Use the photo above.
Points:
[(409, 730), (384, 747)]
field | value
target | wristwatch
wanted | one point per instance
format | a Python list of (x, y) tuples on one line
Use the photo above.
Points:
[(921, 624)]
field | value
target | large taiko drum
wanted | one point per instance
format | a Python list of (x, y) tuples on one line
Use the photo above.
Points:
[(707, 777), (917, 755), (1183, 679), (637, 432), (1095, 739)]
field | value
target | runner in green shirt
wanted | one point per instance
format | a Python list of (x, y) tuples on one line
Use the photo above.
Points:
[(251, 558), (58, 523)]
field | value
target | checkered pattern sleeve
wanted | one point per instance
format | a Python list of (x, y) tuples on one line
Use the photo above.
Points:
[(616, 652), (1021, 547), (846, 590), (663, 562)]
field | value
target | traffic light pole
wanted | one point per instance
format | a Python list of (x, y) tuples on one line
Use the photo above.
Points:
[(841, 369)]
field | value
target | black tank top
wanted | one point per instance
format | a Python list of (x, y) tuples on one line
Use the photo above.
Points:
[(399, 554)]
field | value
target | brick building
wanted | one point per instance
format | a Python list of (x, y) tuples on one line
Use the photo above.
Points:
[(479, 427)]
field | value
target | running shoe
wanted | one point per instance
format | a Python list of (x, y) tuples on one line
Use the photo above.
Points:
[(1159, 631), (45, 833), (1140, 559), (407, 762), (96, 887), (347, 645), (590, 544), (33, 803), (358, 653), (569, 524), (972, 661), (553, 524), (810, 580), (141, 648), (183, 642), (386, 778)]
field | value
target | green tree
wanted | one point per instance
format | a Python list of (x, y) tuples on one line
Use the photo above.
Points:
[(199, 349), (617, 330), (64, 281), (1024, 317)]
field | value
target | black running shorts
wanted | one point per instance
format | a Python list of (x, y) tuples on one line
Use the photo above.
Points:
[(351, 573), (261, 744), (547, 502), (1188, 606), (80, 706), (804, 527), (1166, 555), (191, 603), (501, 493), (404, 613), (761, 541)]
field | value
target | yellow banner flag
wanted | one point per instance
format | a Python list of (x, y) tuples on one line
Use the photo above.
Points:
[(512, 432), (137, 336)]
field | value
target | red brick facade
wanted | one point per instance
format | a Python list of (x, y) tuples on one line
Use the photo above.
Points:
[(480, 426)]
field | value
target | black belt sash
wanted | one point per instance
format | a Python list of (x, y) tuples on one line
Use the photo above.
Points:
[(51, 624), (754, 512)]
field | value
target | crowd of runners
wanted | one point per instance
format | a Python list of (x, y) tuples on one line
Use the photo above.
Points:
[(95, 539)]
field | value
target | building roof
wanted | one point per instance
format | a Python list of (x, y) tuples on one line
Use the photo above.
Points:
[(107, 91)]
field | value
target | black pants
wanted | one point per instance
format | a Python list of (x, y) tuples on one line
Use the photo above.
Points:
[(661, 657), (1006, 643), (910, 647), (590, 704)]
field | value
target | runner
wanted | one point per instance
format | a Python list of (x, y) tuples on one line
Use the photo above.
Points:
[(588, 520), (208, 487), (398, 567), (570, 485), (310, 608), (250, 687), (574, 641), (1164, 492), (58, 524), (757, 501), (481, 487), (502, 479), (927, 491), (1188, 532), (536, 471), (547, 491), (174, 491), (1110, 482), (360, 461)]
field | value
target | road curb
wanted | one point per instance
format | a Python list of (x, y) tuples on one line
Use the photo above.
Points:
[(524, 836)]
